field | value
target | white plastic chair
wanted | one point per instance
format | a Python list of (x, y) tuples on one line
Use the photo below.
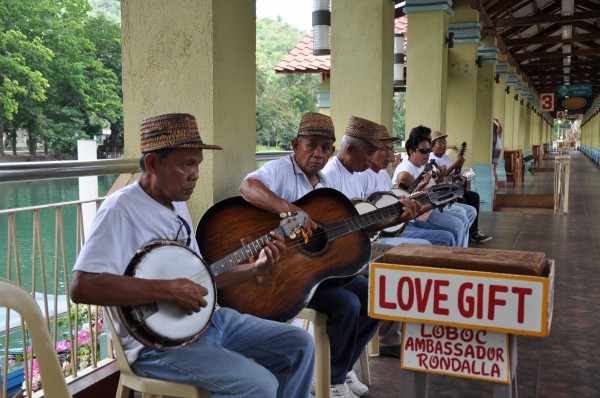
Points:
[(17, 299), (147, 386), (322, 354)]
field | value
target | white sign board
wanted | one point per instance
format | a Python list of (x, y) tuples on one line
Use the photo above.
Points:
[(508, 303), (471, 353)]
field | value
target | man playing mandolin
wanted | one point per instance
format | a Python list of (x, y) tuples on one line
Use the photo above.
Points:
[(153, 209), (279, 183)]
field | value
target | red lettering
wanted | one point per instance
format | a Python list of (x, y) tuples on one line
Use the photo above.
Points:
[(451, 333), (382, 302), (466, 311), (470, 352), (480, 301), (521, 292), (500, 355), (479, 338), (494, 301), (438, 297), (423, 332), (405, 281), (422, 361), (495, 371), (409, 344), (422, 296)]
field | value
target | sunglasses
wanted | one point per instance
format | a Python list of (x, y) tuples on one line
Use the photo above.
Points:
[(424, 151)]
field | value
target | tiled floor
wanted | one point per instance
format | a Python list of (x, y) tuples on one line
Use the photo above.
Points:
[(567, 363)]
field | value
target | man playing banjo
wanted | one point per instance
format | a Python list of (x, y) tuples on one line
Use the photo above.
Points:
[(151, 209)]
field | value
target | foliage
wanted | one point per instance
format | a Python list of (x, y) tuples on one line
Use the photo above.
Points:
[(399, 115), (75, 57), (281, 99), (84, 337)]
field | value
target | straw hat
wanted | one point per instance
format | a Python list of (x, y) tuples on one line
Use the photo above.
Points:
[(316, 124), (436, 135), (384, 135), (174, 130), (365, 130)]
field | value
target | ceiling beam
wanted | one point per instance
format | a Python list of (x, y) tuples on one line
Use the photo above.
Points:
[(551, 39), (544, 54), (543, 19)]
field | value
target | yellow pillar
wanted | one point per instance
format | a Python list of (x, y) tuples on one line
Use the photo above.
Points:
[(362, 59), (427, 63), (462, 77), (485, 101), (509, 111), (194, 57)]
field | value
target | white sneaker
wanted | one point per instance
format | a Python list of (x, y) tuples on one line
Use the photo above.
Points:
[(341, 391), (355, 385)]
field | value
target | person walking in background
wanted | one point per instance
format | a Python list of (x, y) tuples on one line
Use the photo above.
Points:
[(496, 148)]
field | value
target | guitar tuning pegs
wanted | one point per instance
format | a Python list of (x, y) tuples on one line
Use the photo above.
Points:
[(292, 235), (284, 214)]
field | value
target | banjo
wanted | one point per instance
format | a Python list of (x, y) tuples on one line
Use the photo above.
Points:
[(164, 325)]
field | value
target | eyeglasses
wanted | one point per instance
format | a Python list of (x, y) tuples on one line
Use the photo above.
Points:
[(188, 230), (389, 148), (424, 151), (439, 142)]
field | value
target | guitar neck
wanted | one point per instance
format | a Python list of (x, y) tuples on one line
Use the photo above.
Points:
[(363, 221), (242, 254)]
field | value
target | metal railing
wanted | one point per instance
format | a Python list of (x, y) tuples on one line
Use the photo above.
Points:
[(79, 352)]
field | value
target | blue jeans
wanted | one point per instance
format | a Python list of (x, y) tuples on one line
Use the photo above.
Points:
[(467, 214), (398, 240), (454, 221), (437, 235), (349, 327), (219, 361)]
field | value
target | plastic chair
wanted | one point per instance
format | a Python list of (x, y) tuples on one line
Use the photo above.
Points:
[(17, 299), (147, 386), (322, 355)]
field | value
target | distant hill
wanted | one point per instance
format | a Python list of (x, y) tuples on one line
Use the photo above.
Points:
[(110, 8)]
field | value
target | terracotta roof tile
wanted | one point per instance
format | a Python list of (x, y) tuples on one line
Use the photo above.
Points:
[(301, 59)]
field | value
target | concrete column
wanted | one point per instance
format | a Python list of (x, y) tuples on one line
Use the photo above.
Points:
[(195, 57), (362, 59), (427, 63), (462, 78), (509, 108), (486, 95)]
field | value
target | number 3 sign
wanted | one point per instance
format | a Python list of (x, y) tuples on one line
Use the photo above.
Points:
[(547, 102)]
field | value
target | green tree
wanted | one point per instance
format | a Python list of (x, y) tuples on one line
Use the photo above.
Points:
[(281, 99), (18, 80), (83, 93)]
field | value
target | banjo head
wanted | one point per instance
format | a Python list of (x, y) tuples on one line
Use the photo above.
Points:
[(164, 325)]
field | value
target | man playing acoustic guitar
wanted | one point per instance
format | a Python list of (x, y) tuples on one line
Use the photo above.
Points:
[(237, 355), (279, 183)]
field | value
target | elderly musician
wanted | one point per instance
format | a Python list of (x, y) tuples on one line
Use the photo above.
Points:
[(274, 187), (237, 355)]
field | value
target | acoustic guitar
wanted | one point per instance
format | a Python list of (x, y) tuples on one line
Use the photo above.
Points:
[(164, 325), (339, 248)]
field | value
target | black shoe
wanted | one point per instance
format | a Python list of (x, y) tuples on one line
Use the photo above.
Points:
[(479, 237), (390, 351)]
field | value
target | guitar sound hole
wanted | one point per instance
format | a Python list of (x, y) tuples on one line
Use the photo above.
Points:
[(317, 241)]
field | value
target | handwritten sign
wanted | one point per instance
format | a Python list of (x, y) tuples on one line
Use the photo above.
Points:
[(516, 304), (471, 353)]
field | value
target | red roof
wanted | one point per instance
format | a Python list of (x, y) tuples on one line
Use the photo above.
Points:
[(302, 60)]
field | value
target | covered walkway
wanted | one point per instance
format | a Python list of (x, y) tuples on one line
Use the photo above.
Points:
[(565, 364)]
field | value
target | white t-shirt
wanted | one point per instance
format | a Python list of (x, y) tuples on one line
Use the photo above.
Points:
[(443, 161), (127, 220), (375, 182), (348, 183), (409, 167), (285, 178)]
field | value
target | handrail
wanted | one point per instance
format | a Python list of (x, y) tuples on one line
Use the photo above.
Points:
[(27, 171)]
